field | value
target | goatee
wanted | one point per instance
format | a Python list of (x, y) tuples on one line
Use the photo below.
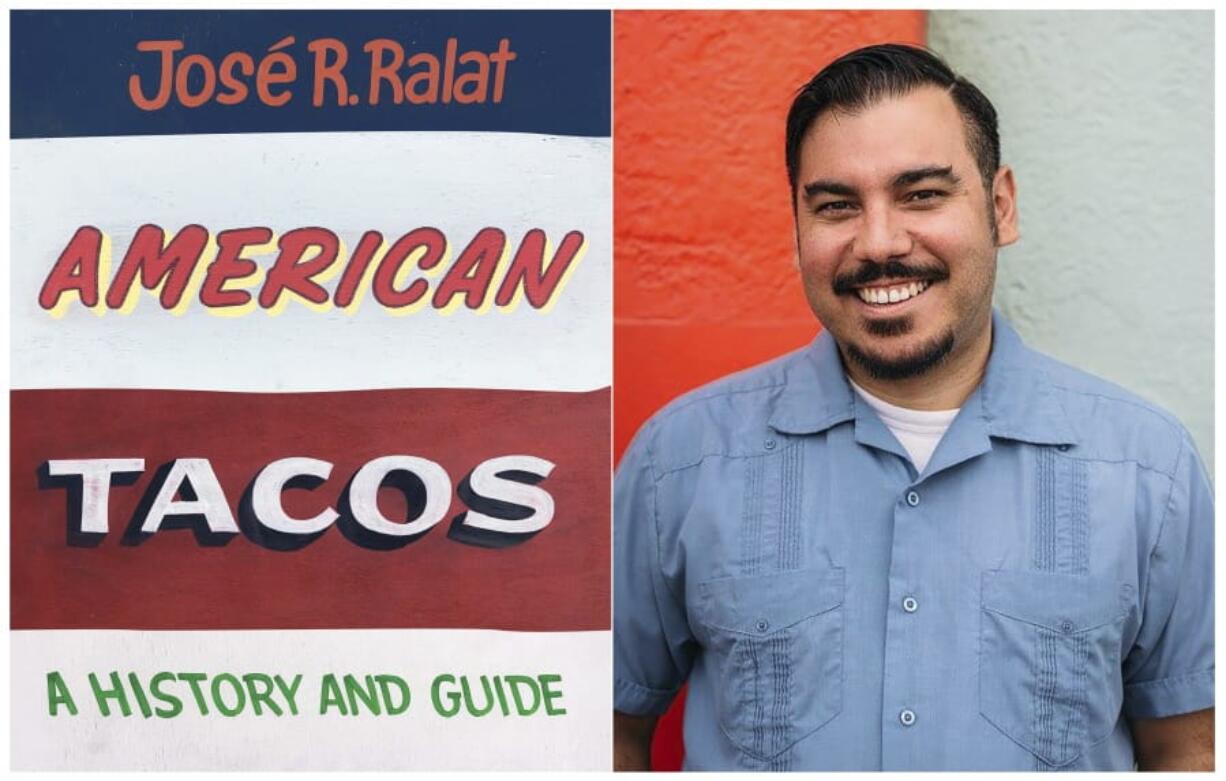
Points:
[(912, 364)]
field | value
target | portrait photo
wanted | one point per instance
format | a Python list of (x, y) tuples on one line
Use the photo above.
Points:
[(913, 369)]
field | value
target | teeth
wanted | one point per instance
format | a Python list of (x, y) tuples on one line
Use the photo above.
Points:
[(891, 295)]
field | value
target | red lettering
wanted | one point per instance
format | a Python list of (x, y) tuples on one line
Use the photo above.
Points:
[(449, 69), (238, 90), (429, 77), (381, 71), (527, 269), (166, 77), (435, 244), (329, 71), (265, 77), (472, 272), (478, 79), (167, 265), (500, 59), (184, 73), (290, 272), (231, 265), (75, 269), (347, 288), (170, 267)]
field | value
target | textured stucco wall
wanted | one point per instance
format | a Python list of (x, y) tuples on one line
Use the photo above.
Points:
[(1107, 120)]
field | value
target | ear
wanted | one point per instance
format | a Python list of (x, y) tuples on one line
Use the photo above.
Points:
[(1004, 203)]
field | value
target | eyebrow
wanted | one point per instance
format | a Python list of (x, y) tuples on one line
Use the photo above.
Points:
[(904, 179), (828, 187), (917, 175)]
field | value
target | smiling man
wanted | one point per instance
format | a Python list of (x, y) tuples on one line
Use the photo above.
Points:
[(915, 544)]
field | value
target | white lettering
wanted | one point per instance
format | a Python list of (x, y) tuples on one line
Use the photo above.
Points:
[(364, 494), (95, 474), (486, 482), (270, 483), (210, 499)]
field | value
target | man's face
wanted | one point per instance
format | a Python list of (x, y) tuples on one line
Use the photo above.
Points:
[(894, 232)]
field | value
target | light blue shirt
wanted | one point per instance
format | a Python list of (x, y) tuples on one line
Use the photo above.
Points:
[(1048, 576)]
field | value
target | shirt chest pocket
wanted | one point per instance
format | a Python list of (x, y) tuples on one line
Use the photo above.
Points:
[(775, 644), (1049, 659)]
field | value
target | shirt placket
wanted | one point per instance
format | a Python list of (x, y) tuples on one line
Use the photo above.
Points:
[(911, 709), (905, 712)]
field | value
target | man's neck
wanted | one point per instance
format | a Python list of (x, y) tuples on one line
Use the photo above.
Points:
[(945, 386)]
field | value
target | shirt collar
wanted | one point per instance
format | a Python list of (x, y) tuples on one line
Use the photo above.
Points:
[(1016, 398)]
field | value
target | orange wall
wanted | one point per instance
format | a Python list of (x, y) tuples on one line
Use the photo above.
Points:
[(704, 277)]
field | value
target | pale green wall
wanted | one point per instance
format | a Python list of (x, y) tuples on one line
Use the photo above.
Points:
[(1107, 120)]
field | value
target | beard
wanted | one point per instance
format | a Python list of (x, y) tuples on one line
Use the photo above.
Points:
[(913, 363)]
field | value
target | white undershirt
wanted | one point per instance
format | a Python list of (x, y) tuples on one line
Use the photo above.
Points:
[(918, 431)]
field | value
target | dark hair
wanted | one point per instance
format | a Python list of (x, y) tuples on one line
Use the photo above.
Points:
[(862, 77)]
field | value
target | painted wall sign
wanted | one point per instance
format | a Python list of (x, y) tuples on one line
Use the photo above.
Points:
[(310, 390)]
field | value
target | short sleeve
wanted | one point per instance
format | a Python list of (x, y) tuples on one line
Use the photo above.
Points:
[(1170, 667), (653, 649)]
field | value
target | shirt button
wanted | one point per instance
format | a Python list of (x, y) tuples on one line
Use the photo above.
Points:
[(769, 444), (1067, 627), (912, 498), (910, 605), (907, 717), (763, 625)]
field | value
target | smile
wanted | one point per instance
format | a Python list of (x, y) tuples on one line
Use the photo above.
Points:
[(891, 295)]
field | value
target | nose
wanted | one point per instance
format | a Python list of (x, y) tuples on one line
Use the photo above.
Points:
[(881, 235)]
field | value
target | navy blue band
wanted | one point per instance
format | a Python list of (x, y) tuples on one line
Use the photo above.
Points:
[(71, 71)]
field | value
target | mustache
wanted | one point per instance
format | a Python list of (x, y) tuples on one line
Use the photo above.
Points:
[(891, 269)]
